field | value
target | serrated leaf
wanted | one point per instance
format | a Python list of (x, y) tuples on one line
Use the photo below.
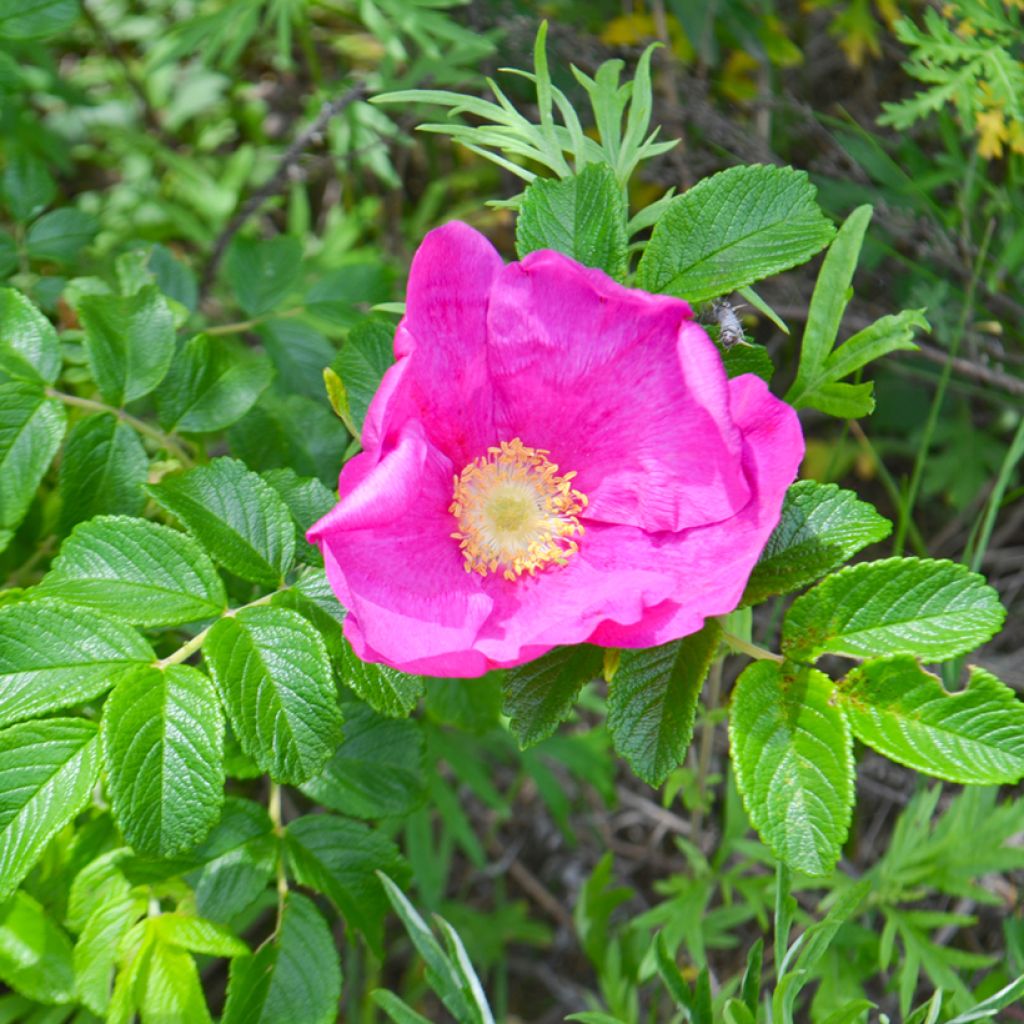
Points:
[(293, 977), (163, 739), (744, 358), (582, 216), (820, 527), (102, 471), (275, 678), (60, 234), (263, 272), (338, 857), (29, 347), (542, 693), (307, 500), (212, 383), (235, 515), (53, 656), (652, 701), (144, 573), (932, 609), (129, 341), (905, 713), (732, 229), (388, 691), (198, 935), (31, 428), (361, 363), (47, 773), (793, 756), (35, 952), (379, 770)]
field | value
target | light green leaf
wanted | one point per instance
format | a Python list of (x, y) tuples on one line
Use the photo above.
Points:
[(732, 229), (169, 983), (53, 656), (583, 216), (397, 1010), (263, 272), (388, 691), (35, 952), (129, 340), (932, 609), (275, 678), (652, 701), (542, 693), (821, 527), (95, 953), (361, 363), (793, 756), (36, 20), (102, 471), (47, 773), (235, 515), (144, 573), (60, 234), (198, 935), (293, 977), (905, 713), (338, 858), (29, 347), (379, 771), (212, 383), (163, 739), (31, 428)]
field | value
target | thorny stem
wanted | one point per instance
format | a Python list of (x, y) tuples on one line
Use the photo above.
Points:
[(164, 440), (752, 650)]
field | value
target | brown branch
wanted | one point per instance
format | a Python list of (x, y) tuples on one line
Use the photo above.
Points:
[(275, 182)]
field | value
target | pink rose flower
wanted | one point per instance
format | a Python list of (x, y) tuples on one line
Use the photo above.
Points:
[(553, 459)]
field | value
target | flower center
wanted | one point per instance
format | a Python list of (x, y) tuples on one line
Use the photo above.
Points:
[(515, 513)]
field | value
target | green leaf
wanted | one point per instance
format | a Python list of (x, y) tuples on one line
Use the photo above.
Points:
[(235, 515), (542, 693), (129, 341), (338, 858), (732, 229), (8, 247), (397, 1010), (388, 691), (275, 678), (293, 977), (35, 952), (307, 500), (102, 471), (95, 953), (364, 358), (168, 982), (379, 770), (53, 656), (793, 755), (745, 358), (60, 234), (262, 273), (212, 383), (27, 184), (821, 527), (144, 573), (31, 428), (198, 935), (932, 609), (36, 20), (163, 746), (583, 216), (29, 347), (905, 713), (47, 773), (652, 701)]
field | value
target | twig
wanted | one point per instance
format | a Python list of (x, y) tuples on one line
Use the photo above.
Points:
[(273, 184)]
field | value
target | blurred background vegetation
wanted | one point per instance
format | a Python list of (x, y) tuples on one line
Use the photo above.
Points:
[(219, 148)]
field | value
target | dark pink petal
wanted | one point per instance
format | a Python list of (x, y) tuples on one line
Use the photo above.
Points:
[(620, 386)]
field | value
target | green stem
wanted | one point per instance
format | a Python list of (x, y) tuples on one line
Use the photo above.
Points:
[(752, 650), (1013, 455), (164, 440), (241, 326), (907, 506), (277, 820), (707, 742)]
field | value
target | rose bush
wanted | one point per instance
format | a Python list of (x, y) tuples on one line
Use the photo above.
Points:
[(553, 459)]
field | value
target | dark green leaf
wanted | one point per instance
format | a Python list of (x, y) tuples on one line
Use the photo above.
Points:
[(299, 354), (129, 340), (146, 574), (307, 500), (364, 358), (235, 515), (542, 693), (52, 655), (27, 184), (652, 702), (385, 689), (60, 234), (211, 384), (173, 277), (29, 347), (742, 358), (583, 216), (102, 471), (262, 273), (275, 678)]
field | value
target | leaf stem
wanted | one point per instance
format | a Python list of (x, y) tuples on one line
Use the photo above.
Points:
[(277, 820), (164, 440), (751, 650), (247, 325)]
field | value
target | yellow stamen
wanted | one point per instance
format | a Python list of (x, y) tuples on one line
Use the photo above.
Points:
[(515, 513)]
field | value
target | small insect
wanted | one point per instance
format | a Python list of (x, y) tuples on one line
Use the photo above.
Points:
[(730, 330)]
